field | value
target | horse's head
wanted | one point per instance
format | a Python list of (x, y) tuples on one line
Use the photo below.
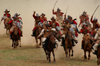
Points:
[(16, 31), (52, 38), (86, 38)]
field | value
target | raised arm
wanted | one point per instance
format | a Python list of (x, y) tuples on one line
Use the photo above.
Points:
[(34, 15)]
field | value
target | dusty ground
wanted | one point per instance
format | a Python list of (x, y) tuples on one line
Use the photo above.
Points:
[(28, 55)]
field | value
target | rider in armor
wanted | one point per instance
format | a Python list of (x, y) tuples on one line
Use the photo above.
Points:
[(37, 20), (6, 15), (59, 15), (15, 23), (43, 18), (19, 18), (97, 38), (46, 33)]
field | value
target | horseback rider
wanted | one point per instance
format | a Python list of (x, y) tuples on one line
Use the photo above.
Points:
[(54, 24), (46, 33), (71, 28), (37, 20), (19, 18), (84, 17), (97, 38), (59, 15), (95, 23), (15, 23), (6, 15), (84, 29), (43, 18), (73, 22)]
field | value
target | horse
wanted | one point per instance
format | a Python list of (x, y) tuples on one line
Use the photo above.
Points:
[(49, 43), (7, 26), (15, 37), (87, 46), (37, 32), (98, 55), (68, 44), (58, 36)]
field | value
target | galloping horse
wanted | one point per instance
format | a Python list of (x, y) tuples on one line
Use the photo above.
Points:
[(15, 37), (68, 44), (37, 32), (49, 47), (87, 46), (98, 55), (7, 26)]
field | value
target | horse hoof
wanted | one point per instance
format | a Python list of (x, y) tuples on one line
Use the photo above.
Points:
[(72, 55)]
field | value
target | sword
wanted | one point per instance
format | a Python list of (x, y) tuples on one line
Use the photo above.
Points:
[(95, 10), (55, 4), (66, 9)]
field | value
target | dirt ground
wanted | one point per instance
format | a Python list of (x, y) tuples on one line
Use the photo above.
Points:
[(29, 55)]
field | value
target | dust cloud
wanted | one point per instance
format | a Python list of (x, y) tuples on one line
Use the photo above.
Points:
[(26, 8)]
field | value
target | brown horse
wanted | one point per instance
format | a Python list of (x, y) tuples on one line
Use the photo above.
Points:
[(7, 26), (49, 47), (87, 46), (15, 37), (38, 30), (68, 44), (98, 55)]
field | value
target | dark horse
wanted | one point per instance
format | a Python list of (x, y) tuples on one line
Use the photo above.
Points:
[(49, 47), (7, 26), (68, 44), (36, 33), (98, 55), (87, 46), (15, 37)]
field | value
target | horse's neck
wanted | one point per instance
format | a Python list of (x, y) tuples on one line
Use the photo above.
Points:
[(16, 30)]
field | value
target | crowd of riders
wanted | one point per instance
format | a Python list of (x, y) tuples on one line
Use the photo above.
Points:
[(58, 25)]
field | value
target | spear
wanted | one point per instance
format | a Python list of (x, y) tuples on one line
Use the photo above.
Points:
[(55, 4), (95, 10)]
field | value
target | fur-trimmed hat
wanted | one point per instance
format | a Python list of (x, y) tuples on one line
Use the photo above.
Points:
[(6, 10), (53, 18), (43, 14), (37, 15), (58, 9)]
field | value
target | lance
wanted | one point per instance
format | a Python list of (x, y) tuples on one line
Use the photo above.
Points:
[(55, 4), (95, 10)]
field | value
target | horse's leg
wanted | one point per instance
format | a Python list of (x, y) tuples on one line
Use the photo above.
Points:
[(36, 40), (53, 55), (85, 57), (49, 53), (72, 52), (12, 43), (66, 53), (69, 52), (6, 32), (16, 42), (89, 55), (46, 53), (20, 42), (40, 41)]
